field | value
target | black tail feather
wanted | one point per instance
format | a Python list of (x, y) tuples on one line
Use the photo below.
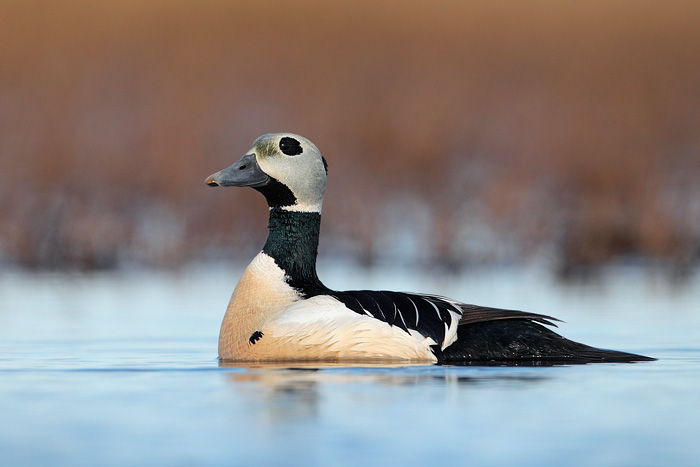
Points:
[(522, 340)]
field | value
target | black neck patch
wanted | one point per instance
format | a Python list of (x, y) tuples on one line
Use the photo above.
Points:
[(277, 194), (293, 243)]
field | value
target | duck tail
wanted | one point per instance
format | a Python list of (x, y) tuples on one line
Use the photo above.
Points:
[(521, 341)]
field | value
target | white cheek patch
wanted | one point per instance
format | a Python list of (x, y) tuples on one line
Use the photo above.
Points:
[(304, 175)]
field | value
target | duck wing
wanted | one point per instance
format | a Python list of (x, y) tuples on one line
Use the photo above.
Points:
[(429, 315), (432, 316), (486, 334)]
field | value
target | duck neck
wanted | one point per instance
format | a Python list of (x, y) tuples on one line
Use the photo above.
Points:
[(292, 242)]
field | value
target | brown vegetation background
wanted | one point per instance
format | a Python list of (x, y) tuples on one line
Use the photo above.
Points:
[(457, 132)]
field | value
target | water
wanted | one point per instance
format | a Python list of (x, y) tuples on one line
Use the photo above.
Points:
[(120, 369)]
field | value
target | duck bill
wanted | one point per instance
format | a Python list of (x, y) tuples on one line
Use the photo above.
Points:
[(245, 172)]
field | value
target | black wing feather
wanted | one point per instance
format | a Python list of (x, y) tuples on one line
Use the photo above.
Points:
[(350, 301), (424, 314), (476, 314), (388, 307), (406, 310), (368, 303), (430, 324)]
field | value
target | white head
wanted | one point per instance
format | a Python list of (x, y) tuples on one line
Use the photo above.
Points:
[(287, 168)]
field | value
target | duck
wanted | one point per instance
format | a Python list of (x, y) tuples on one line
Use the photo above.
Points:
[(280, 311)]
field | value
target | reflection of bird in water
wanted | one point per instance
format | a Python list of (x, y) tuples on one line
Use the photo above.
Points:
[(280, 310), (276, 392), (280, 393)]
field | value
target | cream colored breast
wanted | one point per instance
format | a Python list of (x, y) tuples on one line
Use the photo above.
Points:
[(259, 296)]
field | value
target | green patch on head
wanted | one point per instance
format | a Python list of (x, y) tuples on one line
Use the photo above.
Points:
[(266, 146)]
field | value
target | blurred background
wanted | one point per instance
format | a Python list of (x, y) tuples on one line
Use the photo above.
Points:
[(458, 133)]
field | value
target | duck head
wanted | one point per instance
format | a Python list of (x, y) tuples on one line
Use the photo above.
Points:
[(287, 169)]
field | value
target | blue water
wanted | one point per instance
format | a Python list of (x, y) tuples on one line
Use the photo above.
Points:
[(121, 369)]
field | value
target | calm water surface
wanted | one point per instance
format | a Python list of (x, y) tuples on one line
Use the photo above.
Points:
[(121, 369)]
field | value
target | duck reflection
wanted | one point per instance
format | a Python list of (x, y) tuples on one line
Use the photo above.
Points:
[(285, 391)]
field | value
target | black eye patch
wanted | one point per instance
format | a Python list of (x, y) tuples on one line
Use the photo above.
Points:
[(290, 146)]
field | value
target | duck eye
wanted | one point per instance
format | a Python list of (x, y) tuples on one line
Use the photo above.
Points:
[(290, 146)]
